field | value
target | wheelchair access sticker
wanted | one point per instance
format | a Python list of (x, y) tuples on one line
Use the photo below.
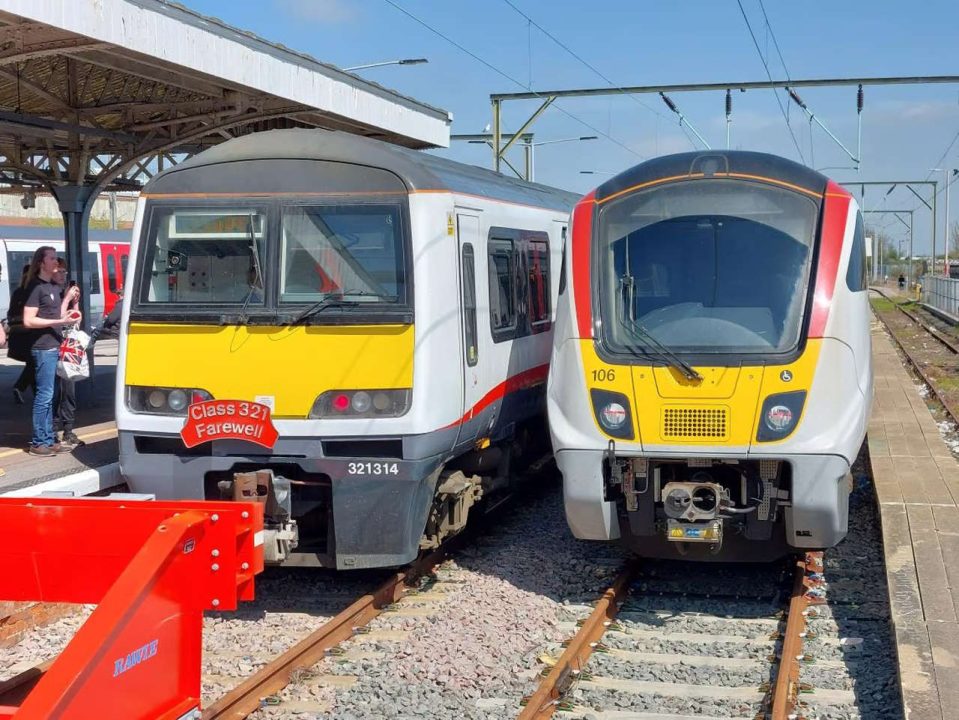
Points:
[(229, 420)]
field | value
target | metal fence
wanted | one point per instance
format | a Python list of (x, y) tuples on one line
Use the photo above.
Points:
[(941, 293)]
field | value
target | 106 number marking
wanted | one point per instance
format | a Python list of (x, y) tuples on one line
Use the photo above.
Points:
[(604, 375)]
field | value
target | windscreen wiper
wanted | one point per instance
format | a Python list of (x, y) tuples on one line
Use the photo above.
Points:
[(338, 299), (331, 300), (672, 359), (257, 281)]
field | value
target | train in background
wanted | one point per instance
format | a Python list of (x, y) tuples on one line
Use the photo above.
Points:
[(711, 376), (354, 332), (107, 256)]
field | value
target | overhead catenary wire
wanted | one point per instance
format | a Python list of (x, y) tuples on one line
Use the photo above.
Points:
[(772, 33), (508, 77), (565, 47), (782, 109)]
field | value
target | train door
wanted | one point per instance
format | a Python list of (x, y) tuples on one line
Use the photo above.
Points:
[(470, 251), (113, 259)]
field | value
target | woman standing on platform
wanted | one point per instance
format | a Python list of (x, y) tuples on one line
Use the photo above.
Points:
[(46, 313)]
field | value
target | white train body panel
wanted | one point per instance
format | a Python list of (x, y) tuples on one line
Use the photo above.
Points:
[(375, 475), (807, 371)]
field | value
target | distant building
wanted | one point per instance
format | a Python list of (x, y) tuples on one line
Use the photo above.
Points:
[(110, 211)]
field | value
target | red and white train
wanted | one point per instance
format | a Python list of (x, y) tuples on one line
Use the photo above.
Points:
[(711, 375), (107, 256)]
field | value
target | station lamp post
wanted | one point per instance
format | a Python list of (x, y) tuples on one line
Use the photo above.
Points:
[(404, 61)]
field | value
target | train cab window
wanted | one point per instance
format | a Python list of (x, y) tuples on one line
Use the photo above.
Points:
[(469, 305), (856, 279), (502, 289), (537, 264), (205, 256), (706, 267), (351, 250)]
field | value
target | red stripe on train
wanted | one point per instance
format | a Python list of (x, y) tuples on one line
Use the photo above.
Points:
[(582, 240), (835, 215), (521, 381)]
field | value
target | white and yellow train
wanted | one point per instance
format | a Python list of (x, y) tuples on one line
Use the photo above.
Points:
[(363, 329), (711, 376)]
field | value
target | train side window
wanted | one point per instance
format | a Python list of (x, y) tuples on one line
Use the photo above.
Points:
[(502, 289), (94, 267), (856, 279), (469, 305), (562, 266), (112, 273), (537, 263)]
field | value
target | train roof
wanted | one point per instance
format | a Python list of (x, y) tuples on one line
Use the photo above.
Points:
[(720, 162), (417, 170), (55, 234)]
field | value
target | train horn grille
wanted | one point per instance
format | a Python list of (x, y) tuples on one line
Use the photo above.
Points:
[(695, 423)]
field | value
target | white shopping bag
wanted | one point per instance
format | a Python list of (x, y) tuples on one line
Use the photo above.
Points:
[(72, 364)]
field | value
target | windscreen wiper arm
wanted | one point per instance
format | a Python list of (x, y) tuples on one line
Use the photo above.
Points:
[(257, 282), (672, 359), (338, 299), (333, 300)]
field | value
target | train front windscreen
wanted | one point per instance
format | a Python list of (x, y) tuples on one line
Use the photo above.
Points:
[(268, 263), (706, 267)]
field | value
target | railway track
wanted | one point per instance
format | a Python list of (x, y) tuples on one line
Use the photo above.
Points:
[(652, 649), (950, 406), (251, 694), (468, 640)]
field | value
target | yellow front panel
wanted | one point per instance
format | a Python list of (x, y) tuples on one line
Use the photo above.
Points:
[(604, 376), (721, 410), (293, 364)]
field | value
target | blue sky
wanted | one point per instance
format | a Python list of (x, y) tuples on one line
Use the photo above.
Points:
[(905, 129)]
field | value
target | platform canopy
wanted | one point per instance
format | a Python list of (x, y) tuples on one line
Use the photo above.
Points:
[(108, 91), (101, 94)]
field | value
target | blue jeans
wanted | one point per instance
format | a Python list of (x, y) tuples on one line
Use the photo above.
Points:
[(46, 362)]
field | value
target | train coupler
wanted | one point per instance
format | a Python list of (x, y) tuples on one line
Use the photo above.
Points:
[(280, 531)]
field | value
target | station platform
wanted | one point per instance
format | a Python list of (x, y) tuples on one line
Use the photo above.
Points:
[(917, 482), (95, 426)]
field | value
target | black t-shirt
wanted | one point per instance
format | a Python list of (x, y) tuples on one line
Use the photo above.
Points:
[(46, 297)]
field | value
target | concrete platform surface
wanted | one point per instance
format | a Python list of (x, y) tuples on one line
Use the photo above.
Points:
[(917, 482), (95, 425)]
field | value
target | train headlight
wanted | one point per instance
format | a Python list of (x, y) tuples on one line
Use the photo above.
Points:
[(612, 413), (163, 400), (779, 418), (612, 416), (177, 400), (780, 415), (361, 404)]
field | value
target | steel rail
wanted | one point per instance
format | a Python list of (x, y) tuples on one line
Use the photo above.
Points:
[(244, 699), (542, 703), (785, 691), (951, 411), (929, 329)]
